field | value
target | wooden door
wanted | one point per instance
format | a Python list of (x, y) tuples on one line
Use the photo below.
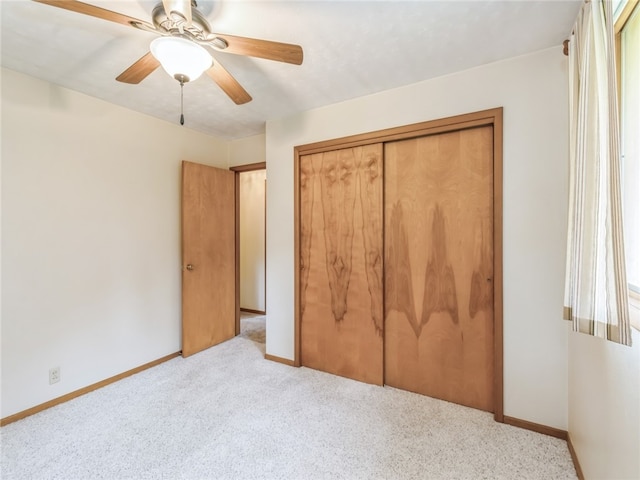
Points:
[(439, 266), (208, 257), (341, 262)]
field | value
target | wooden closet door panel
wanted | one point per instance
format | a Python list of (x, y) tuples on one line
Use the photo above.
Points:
[(439, 266), (341, 298)]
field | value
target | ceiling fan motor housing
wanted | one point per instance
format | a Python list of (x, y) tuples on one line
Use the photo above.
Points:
[(198, 30)]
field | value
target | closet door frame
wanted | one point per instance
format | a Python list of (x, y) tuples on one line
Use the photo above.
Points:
[(491, 117)]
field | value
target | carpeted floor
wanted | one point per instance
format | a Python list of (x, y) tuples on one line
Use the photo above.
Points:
[(227, 413)]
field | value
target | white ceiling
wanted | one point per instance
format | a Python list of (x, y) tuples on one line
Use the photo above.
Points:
[(351, 48)]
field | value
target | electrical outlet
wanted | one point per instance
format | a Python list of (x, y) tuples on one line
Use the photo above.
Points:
[(54, 375)]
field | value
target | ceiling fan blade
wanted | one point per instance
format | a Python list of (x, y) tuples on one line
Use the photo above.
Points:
[(92, 10), (139, 70), (181, 7), (280, 52), (229, 84)]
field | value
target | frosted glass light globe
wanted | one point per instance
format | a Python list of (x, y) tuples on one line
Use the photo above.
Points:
[(181, 58)]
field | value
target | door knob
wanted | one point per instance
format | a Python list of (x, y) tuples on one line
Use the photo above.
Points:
[(189, 267)]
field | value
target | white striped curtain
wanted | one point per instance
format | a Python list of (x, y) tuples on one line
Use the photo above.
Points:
[(596, 296)]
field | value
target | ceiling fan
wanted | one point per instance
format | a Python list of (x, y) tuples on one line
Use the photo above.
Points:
[(181, 48)]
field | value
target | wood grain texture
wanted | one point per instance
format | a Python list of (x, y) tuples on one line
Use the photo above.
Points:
[(575, 459), (237, 249), (498, 356), (439, 266), (338, 197), (251, 310), (208, 243), (228, 83), (491, 117), (415, 130), (398, 294), (307, 183), (297, 258), (91, 10), (280, 52), (285, 361), (340, 262), (370, 176), (536, 427), (139, 70), (249, 167), (439, 279)]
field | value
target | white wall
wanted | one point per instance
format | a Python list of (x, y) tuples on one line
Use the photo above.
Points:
[(533, 91), (604, 406), (252, 240), (91, 237), (244, 151)]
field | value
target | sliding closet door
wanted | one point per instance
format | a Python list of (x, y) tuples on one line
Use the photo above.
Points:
[(341, 262), (439, 266)]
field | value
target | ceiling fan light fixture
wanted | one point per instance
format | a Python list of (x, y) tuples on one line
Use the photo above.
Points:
[(183, 59)]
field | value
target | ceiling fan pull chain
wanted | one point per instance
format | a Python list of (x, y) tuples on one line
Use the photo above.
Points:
[(181, 103)]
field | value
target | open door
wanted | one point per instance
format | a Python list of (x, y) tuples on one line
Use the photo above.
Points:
[(208, 257)]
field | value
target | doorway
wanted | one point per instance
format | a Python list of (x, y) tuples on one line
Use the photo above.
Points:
[(250, 181)]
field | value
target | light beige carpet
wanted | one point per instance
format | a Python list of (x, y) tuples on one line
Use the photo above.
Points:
[(227, 413)]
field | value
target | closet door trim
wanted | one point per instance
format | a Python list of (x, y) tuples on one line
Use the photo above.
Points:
[(492, 117)]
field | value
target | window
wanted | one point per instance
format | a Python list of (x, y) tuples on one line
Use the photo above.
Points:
[(628, 52)]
